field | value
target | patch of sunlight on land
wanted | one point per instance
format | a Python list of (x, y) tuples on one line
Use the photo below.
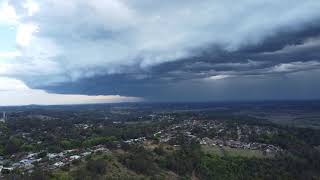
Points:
[(227, 151)]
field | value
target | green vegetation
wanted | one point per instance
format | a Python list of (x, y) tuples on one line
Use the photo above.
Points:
[(227, 151), (155, 157), (225, 167)]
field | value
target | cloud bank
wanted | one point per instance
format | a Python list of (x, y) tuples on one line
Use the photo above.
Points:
[(16, 92), (142, 48)]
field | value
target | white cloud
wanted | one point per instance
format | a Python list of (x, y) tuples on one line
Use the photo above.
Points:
[(295, 66), (219, 77), (25, 34), (15, 92), (9, 84), (9, 54), (31, 6), (7, 14)]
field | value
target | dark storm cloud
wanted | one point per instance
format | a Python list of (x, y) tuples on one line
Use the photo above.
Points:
[(300, 85), (173, 50)]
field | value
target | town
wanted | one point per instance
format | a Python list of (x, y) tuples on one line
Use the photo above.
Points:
[(60, 141)]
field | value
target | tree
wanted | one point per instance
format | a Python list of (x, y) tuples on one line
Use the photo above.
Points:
[(97, 166), (13, 145)]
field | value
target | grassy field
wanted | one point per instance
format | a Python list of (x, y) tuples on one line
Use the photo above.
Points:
[(227, 151)]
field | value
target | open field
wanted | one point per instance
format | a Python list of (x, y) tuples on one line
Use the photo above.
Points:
[(227, 151)]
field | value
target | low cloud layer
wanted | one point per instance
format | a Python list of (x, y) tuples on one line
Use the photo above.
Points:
[(143, 48), (16, 92)]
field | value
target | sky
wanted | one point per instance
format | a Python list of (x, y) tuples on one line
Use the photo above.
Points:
[(79, 51)]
